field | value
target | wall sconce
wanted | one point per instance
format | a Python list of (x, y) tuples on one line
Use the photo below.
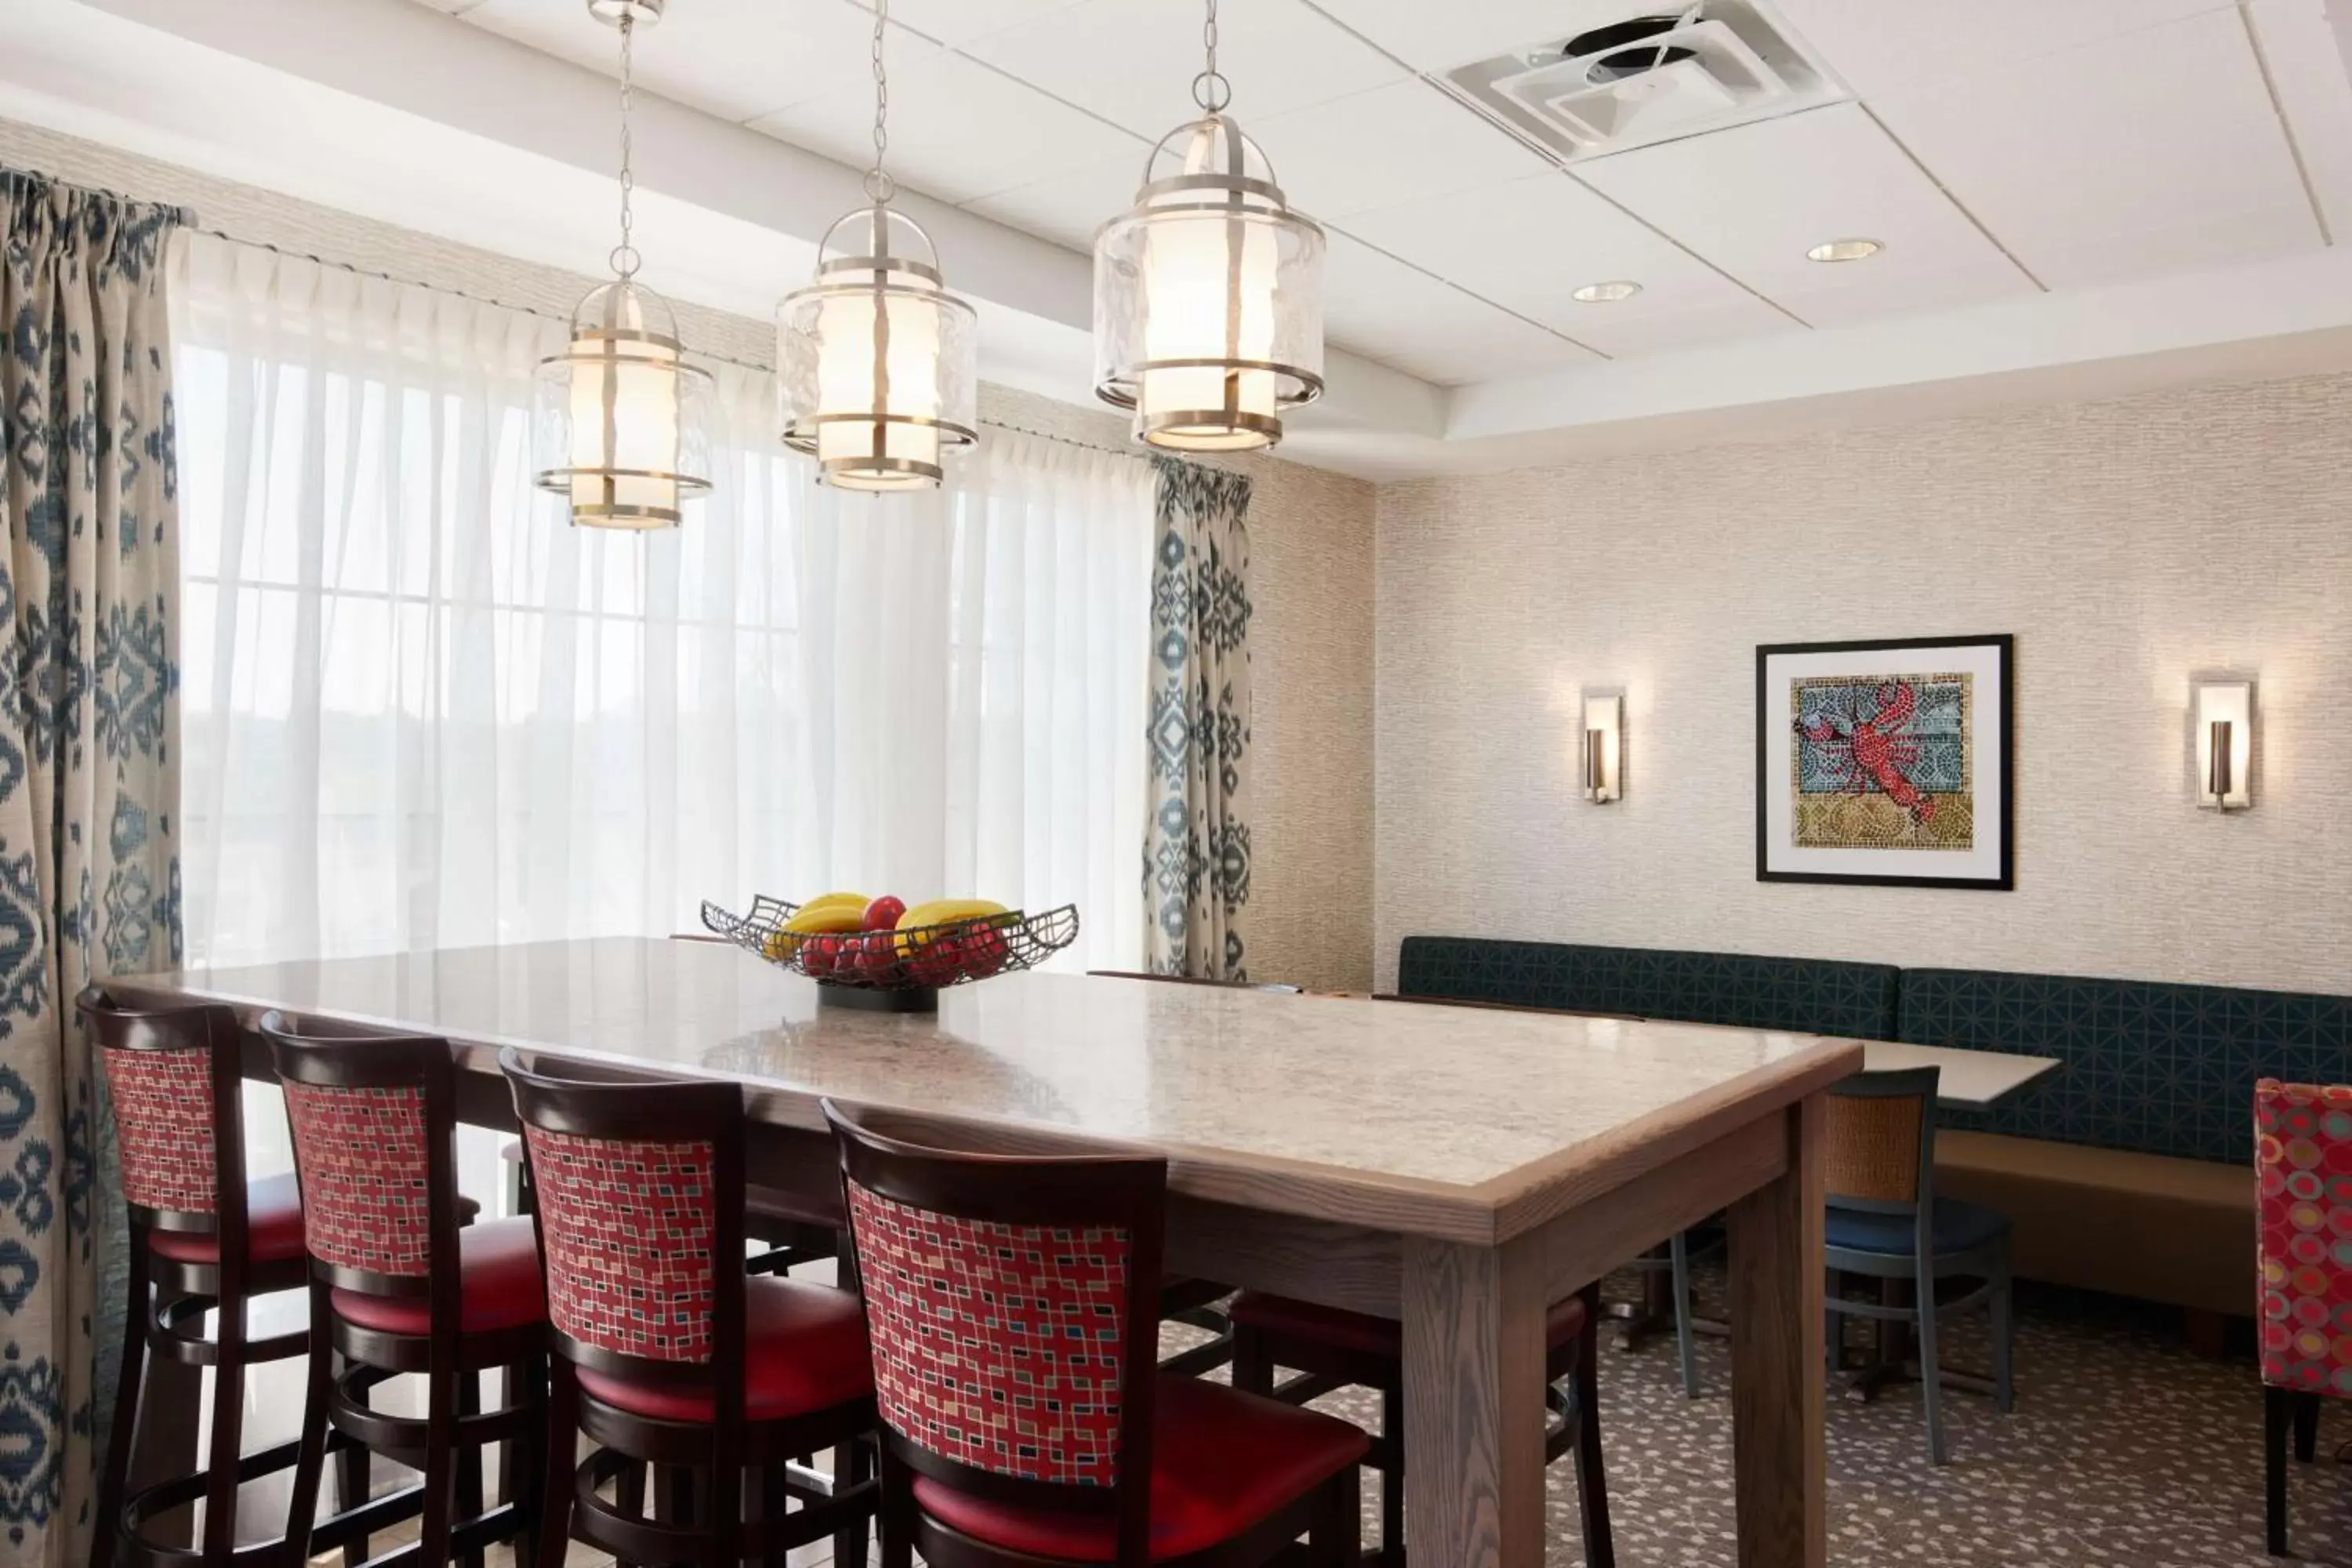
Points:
[(1604, 746), (2223, 742)]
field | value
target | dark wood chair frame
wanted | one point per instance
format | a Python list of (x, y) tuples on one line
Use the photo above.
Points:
[(1323, 1367), (1924, 1264), (701, 1514), (170, 1322), (2284, 1410), (1111, 1191), (445, 1444)]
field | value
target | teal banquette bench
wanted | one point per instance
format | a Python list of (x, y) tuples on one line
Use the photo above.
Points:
[(2129, 1170)]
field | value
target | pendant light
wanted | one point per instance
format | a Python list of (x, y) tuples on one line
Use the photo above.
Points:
[(1208, 292), (622, 426), (876, 360)]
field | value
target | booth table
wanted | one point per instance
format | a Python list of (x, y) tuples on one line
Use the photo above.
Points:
[(1457, 1169)]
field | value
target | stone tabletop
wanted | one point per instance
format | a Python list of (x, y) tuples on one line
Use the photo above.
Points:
[(1445, 1100)]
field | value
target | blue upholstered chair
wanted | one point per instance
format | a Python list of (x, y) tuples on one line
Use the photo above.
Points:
[(1885, 1222)]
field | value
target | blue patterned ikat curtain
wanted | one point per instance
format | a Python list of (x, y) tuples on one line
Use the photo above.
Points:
[(89, 868), (1196, 857)]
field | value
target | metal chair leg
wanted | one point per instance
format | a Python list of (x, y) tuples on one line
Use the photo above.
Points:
[(2003, 1332), (1678, 1253), (1931, 1377), (2277, 1416)]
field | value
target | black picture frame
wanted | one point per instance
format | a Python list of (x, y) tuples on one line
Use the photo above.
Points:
[(2006, 763)]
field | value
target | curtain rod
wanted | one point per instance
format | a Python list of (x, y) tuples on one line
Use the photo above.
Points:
[(525, 309)]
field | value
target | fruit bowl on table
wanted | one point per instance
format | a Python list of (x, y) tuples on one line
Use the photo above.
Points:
[(901, 968)]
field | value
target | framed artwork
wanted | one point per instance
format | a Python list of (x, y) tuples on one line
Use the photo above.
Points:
[(1885, 763)]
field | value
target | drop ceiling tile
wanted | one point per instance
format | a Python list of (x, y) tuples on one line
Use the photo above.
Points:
[(734, 58), (1529, 245), (1754, 199), (1133, 61), (958, 22), (2300, 45), (1068, 208), (959, 130), (1877, 46), (1377, 306), (2156, 151), (1436, 35), (1395, 144)]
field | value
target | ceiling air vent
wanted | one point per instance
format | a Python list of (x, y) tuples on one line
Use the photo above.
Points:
[(1650, 77)]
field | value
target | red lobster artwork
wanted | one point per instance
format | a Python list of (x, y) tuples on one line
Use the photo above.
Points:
[(1876, 750)]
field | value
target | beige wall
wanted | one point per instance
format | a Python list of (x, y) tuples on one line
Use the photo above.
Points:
[(2126, 544), (1311, 538)]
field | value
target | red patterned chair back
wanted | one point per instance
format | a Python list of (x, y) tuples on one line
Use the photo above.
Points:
[(172, 1072), (2302, 1158), (638, 1187), (373, 1116), (1011, 1306)]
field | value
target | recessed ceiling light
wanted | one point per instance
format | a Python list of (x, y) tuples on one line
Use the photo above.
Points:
[(1844, 250), (1606, 293)]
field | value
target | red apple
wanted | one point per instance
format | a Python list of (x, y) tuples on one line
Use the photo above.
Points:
[(939, 962), (984, 952), (877, 957), (883, 913), (819, 955)]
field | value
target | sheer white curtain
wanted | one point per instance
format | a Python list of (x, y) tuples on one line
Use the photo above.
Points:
[(421, 710)]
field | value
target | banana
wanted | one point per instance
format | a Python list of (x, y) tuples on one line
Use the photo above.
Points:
[(912, 933), (860, 899)]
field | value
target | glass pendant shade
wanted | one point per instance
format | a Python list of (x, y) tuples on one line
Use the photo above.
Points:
[(622, 424), (1208, 299), (877, 362)]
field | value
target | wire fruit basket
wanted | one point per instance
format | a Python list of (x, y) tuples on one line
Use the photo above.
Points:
[(901, 970)]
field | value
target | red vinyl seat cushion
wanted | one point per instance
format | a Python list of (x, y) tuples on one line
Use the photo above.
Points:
[(1290, 1318), (805, 1346), (1221, 1462), (273, 1227), (498, 1285)]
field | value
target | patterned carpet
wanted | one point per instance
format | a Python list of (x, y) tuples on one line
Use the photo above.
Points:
[(2123, 1449)]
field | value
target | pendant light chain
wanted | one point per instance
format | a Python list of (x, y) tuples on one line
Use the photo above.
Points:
[(880, 185), (1211, 90), (624, 258)]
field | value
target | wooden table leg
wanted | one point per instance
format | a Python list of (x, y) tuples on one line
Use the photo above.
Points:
[(1473, 1401), (1779, 1462)]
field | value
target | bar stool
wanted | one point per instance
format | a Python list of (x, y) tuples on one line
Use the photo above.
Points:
[(205, 1239), (666, 1352), (1337, 1349), (1026, 1423), (400, 1286)]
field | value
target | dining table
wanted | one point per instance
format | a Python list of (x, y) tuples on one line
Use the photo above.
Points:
[(1457, 1170)]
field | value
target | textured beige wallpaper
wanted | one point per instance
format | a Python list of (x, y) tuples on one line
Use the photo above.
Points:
[(2126, 544), (1311, 537)]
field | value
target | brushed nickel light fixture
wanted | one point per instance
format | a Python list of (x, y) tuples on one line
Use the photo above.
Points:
[(2223, 742), (1604, 746), (878, 361), (621, 422), (1208, 291)]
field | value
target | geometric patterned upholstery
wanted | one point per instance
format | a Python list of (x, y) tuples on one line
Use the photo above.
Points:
[(2152, 1068), (2302, 1143), (630, 1229), (996, 1345), (361, 1154), (164, 1128), (1804, 996)]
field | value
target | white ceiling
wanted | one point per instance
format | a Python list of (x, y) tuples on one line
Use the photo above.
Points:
[(2056, 182), (1998, 149)]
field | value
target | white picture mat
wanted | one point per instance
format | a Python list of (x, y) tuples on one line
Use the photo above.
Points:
[(1988, 742)]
